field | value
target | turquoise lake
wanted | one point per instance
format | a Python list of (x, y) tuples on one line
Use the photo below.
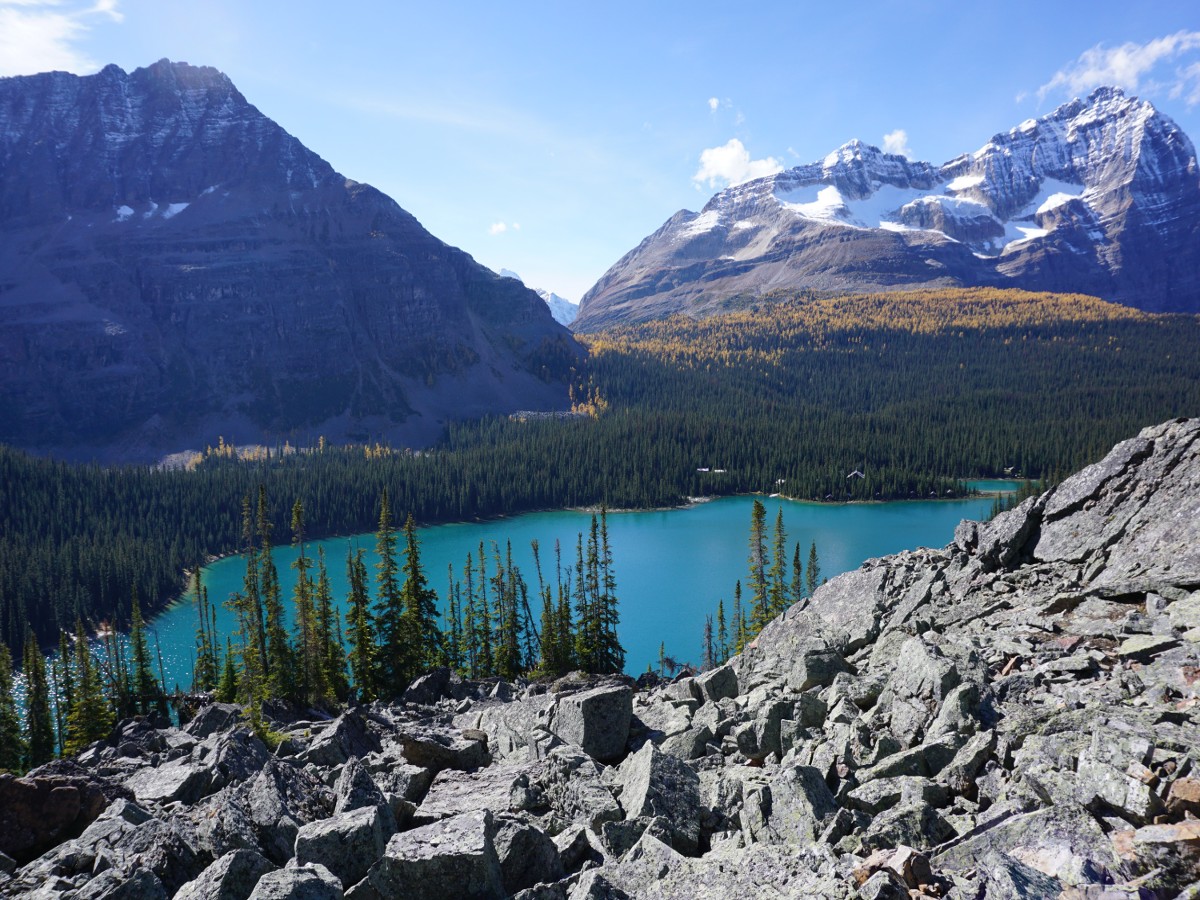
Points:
[(672, 566)]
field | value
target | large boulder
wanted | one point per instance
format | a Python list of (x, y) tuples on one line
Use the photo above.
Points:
[(347, 844), (42, 810), (527, 854), (447, 860), (303, 882), (596, 720), (232, 877), (655, 784)]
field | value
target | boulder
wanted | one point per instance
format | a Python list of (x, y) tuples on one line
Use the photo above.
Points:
[(527, 854), (114, 884), (42, 810), (435, 750), (347, 844), (232, 877), (718, 684), (451, 859), (655, 784), (347, 736), (815, 668), (214, 718), (302, 882), (596, 721), (429, 688), (791, 808)]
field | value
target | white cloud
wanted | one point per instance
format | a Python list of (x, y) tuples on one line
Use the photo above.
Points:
[(731, 164), (1135, 67), (41, 35), (713, 104), (498, 228), (897, 142)]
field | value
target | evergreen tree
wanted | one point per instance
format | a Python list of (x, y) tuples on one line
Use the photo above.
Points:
[(329, 638), (360, 629), (813, 574), (309, 684), (420, 628), (39, 730), (64, 690), (777, 588), (612, 654), (760, 611), (279, 667), (255, 631), (396, 656), (739, 620), (143, 686), (586, 647), (797, 576), (227, 684), (206, 672), (707, 647), (483, 620), (89, 718), (722, 632), (12, 747)]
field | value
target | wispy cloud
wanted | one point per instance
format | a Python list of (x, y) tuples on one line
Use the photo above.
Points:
[(43, 35), (897, 142), (1169, 65), (731, 164), (501, 227), (713, 104)]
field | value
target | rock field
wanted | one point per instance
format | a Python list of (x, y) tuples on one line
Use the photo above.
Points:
[(1014, 715)]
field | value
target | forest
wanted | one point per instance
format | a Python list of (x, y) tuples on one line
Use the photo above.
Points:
[(789, 393)]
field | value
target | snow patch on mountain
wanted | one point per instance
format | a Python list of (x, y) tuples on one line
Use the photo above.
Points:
[(562, 309)]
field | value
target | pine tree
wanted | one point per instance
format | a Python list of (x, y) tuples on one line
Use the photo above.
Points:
[(813, 574), (329, 638), (586, 650), (143, 686), (740, 628), (255, 630), (309, 684), (797, 576), (360, 629), (279, 667), (777, 589), (483, 620), (612, 654), (759, 604), (707, 648), (396, 656), (89, 718), (12, 746), (420, 628), (227, 684), (722, 632), (205, 676), (64, 691), (39, 730)]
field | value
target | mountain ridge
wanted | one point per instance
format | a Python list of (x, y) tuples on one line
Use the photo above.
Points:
[(1100, 196), (176, 266)]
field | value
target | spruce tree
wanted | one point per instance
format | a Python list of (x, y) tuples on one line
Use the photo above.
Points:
[(308, 684), (329, 636), (420, 628), (143, 686), (612, 654), (12, 746), (797, 576), (813, 575), (204, 678), (396, 655), (707, 647), (360, 628), (39, 729), (777, 588), (280, 670), (722, 632), (89, 718), (64, 690), (227, 684), (759, 604)]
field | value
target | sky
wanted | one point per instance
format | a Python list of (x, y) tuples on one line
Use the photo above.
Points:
[(551, 138)]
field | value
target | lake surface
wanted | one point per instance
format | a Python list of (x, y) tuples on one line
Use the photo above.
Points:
[(672, 566)]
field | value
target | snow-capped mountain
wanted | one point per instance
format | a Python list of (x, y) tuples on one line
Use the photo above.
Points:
[(562, 309), (175, 266), (1101, 196)]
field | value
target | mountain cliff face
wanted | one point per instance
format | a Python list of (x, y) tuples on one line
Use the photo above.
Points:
[(1014, 715), (1101, 196), (175, 266)]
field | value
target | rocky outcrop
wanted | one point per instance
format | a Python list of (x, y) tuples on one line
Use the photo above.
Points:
[(176, 267), (1016, 714), (1101, 196)]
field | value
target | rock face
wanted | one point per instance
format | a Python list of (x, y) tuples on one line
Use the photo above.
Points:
[(1015, 715), (175, 266), (1101, 196)]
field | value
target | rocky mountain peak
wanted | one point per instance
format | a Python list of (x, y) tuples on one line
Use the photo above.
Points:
[(1099, 196)]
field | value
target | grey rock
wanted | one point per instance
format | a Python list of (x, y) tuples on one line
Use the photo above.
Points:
[(1010, 879), (214, 718), (393, 774), (913, 824), (355, 789), (307, 881), (578, 846), (689, 744), (451, 859), (181, 780), (721, 683), (883, 885), (792, 807), (884, 793), (113, 884), (232, 877), (654, 784), (596, 720), (347, 736), (429, 688), (436, 750), (347, 844), (815, 668), (527, 855)]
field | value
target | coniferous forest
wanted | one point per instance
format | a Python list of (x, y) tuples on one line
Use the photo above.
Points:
[(788, 393)]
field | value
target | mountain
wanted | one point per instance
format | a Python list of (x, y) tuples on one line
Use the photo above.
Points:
[(1101, 196), (175, 266), (563, 310)]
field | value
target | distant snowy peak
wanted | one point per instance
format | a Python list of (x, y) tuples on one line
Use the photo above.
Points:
[(562, 309), (1101, 196)]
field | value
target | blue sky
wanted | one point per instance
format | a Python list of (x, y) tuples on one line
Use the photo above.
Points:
[(550, 138)]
